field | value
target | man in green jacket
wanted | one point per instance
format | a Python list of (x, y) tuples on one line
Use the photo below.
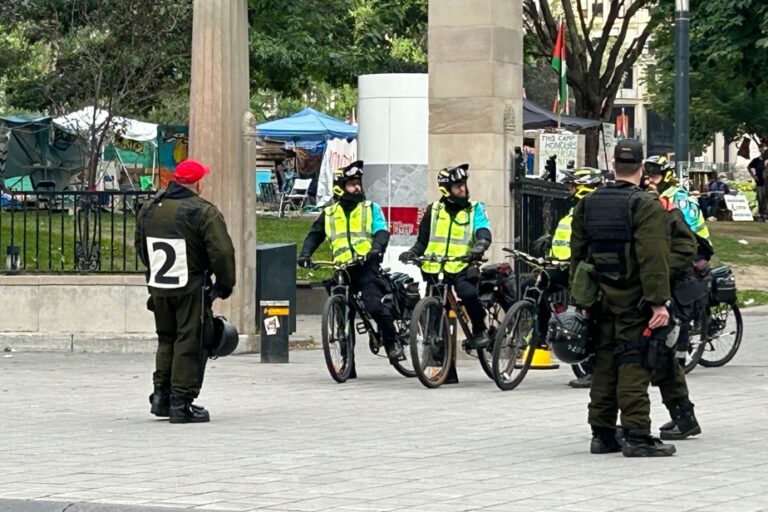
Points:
[(618, 230), (182, 240)]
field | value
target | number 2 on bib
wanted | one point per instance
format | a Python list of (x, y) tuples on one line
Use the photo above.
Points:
[(167, 262)]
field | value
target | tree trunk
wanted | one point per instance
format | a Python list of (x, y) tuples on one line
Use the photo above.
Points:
[(591, 146)]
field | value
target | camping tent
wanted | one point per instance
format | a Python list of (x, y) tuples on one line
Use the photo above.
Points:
[(536, 117), (84, 121), (307, 125), (128, 141), (33, 151)]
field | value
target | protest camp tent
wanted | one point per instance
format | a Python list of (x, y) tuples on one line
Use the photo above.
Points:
[(33, 151)]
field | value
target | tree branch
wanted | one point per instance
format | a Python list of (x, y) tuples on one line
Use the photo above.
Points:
[(610, 64)]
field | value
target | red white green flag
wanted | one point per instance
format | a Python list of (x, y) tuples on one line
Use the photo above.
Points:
[(559, 65)]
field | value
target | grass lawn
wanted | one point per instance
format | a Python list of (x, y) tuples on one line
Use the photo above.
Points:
[(50, 240), (292, 230), (749, 260), (728, 249)]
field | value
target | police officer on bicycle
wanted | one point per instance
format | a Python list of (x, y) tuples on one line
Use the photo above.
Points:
[(182, 240), (455, 227), (357, 231)]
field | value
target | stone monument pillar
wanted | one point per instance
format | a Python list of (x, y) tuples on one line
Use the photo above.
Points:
[(218, 118), (475, 100)]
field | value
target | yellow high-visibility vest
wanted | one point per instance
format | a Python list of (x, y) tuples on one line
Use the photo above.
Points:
[(561, 241), (349, 236), (451, 237)]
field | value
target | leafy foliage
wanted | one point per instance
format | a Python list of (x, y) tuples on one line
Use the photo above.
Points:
[(729, 56), (599, 52)]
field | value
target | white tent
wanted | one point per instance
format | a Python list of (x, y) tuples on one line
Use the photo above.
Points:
[(84, 121), (90, 122)]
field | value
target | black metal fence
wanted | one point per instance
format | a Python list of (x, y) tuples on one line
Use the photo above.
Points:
[(539, 205), (70, 232)]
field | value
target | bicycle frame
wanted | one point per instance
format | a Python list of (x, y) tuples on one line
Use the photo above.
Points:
[(340, 284)]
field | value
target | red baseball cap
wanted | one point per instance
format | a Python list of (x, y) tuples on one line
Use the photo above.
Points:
[(191, 171)]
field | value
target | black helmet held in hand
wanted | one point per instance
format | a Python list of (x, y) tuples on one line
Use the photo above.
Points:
[(225, 337), (568, 336)]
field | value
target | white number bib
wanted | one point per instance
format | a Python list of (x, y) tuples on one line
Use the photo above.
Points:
[(167, 262)]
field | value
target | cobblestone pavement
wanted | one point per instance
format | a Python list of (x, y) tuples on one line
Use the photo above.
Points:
[(76, 429)]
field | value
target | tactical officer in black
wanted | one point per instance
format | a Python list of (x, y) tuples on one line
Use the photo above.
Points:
[(183, 241), (621, 237)]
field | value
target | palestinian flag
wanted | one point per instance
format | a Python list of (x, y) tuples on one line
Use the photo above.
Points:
[(559, 65)]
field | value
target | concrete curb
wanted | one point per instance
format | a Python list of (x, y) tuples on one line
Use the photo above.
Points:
[(8, 505)]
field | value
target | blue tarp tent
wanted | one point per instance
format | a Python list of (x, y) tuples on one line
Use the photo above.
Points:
[(307, 125)]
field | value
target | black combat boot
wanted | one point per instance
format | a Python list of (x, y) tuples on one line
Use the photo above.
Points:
[(161, 402), (394, 351), (479, 340), (584, 382), (604, 440), (638, 443), (182, 411), (683, 424)]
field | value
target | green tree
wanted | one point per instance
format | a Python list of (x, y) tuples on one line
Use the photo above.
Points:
[(310, 52), (729, 58), (600, 52), (120, 56)]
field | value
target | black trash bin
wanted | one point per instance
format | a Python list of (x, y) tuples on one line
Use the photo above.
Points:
[(275, 299)]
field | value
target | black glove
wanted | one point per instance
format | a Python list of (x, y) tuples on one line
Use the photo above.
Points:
[(479, 249), (305, 261), (407, 256), (542, 245), (151, 304), (374, 254), (222, 292)]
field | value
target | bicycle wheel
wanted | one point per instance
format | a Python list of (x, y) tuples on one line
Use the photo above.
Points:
[(725, 331), (515, 345), (485, 355), (578, 370), (405, 367), (338, 338), (430, 342), (695, 348)]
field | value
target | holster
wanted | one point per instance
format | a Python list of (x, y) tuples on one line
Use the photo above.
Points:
[(650, 350), (584, 288)]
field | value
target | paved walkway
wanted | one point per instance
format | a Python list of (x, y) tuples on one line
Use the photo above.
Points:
[(75, 428)]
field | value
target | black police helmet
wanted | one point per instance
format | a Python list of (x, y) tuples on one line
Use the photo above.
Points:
[(225, 338), (568, 336)]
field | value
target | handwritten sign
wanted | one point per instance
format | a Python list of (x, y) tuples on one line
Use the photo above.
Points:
[(739, 207), (564, 145)]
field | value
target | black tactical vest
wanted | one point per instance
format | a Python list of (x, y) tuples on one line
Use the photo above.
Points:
[(609, 215)]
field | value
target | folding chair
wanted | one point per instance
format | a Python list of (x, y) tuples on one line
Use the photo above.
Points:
[(296, 198), (265, 189)]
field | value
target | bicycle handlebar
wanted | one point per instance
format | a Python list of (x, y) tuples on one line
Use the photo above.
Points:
[(540, 263), (445, 259), (337, 265)]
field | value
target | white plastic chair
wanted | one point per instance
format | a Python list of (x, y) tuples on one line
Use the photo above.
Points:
[(297, 198)]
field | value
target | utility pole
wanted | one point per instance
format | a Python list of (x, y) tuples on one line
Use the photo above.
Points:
[(682, 92)]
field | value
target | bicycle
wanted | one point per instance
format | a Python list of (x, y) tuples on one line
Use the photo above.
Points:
[(721, 327), (433, 334), (523, 329), (339, 327)]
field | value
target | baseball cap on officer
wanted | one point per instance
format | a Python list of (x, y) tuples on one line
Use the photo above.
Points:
[(190, 171), (628, 151)]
